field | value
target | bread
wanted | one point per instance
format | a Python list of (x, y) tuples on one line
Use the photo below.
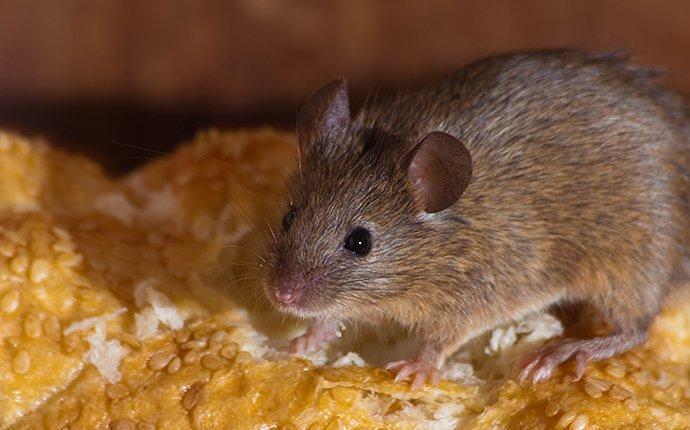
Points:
[(134, 303)]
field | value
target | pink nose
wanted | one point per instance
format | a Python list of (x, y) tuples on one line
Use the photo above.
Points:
[(286, 296), (287, 292)]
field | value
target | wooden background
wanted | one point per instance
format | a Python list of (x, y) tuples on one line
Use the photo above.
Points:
[(90, 73)]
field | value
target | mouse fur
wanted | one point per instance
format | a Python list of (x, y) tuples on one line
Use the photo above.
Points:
[(577, 194)]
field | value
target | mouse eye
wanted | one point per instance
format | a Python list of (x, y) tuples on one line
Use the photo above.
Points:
[(288, 219), (358, 241)]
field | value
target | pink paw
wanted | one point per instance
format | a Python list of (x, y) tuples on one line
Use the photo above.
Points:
[(542, 363), (422, 371), (313, 339)]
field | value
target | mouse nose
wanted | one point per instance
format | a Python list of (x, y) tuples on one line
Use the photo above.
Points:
[(287, 292), (286, 297)]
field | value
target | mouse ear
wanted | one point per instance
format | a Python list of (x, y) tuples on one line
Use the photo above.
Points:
[(440, 167), (327, 111)]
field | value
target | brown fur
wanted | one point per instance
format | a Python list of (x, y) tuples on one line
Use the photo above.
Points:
[(579, 194)]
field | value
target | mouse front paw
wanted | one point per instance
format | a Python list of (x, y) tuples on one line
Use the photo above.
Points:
[(422, 370), (318, 334)]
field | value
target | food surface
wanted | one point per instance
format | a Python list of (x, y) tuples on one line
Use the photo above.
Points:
[(136, 304)]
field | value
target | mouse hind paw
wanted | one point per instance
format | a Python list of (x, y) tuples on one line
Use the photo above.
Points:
[(541, 364)]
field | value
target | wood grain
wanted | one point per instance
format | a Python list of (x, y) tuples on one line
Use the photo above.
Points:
[(250, 54)]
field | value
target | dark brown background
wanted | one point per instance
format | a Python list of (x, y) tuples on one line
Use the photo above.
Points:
[(90, 73)]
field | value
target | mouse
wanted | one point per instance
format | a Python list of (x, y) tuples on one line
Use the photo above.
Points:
[(519, 183)]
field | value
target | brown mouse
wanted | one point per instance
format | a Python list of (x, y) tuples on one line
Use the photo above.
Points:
[(518, 183)]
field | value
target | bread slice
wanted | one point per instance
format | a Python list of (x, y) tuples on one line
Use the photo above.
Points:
[(135, 303)]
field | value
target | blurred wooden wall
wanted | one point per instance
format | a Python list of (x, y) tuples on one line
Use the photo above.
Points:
[(258, 59), (243, 54)]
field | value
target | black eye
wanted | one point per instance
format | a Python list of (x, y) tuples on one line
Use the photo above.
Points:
[(288, 219), (358, 241)]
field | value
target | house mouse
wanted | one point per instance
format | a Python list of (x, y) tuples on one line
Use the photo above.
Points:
[(519, 183)]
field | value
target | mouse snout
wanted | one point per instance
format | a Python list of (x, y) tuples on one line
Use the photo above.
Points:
[(288, 291)]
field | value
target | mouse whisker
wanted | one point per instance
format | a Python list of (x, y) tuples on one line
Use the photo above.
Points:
[(275, 239), (299, 162), (141, 148), (242, 212), (231, 265), (244, 248)]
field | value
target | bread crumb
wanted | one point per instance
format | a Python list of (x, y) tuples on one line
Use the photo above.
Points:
[(350, 359), (106, 355), (89, 323), (157, 308)]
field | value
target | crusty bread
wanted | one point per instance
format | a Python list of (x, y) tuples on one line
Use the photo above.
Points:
[(135, 303)]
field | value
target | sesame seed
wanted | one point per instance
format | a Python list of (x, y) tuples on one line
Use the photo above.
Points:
[(658, 412), (214, 348), (203, 333), (634, 361), (145, 426), (19, 264), (190, 397), (61, 233), (69, 259), (51, 326), (660, 396), (21, 362), (551, 409), (63, 246), (174, 365), (641, 377), (32, 326), (620, 393), (40, 270), (191, 357), (159, 360), (662, 380), (230, 351), (593, 391), (217, 337), (631, 404), (10, 301), (599, 384), (116, 391), (565, 420), (579, 423), (212, 362), (194, 344), (615, 371)]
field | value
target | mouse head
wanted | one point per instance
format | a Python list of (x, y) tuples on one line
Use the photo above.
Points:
[(356, 231)]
